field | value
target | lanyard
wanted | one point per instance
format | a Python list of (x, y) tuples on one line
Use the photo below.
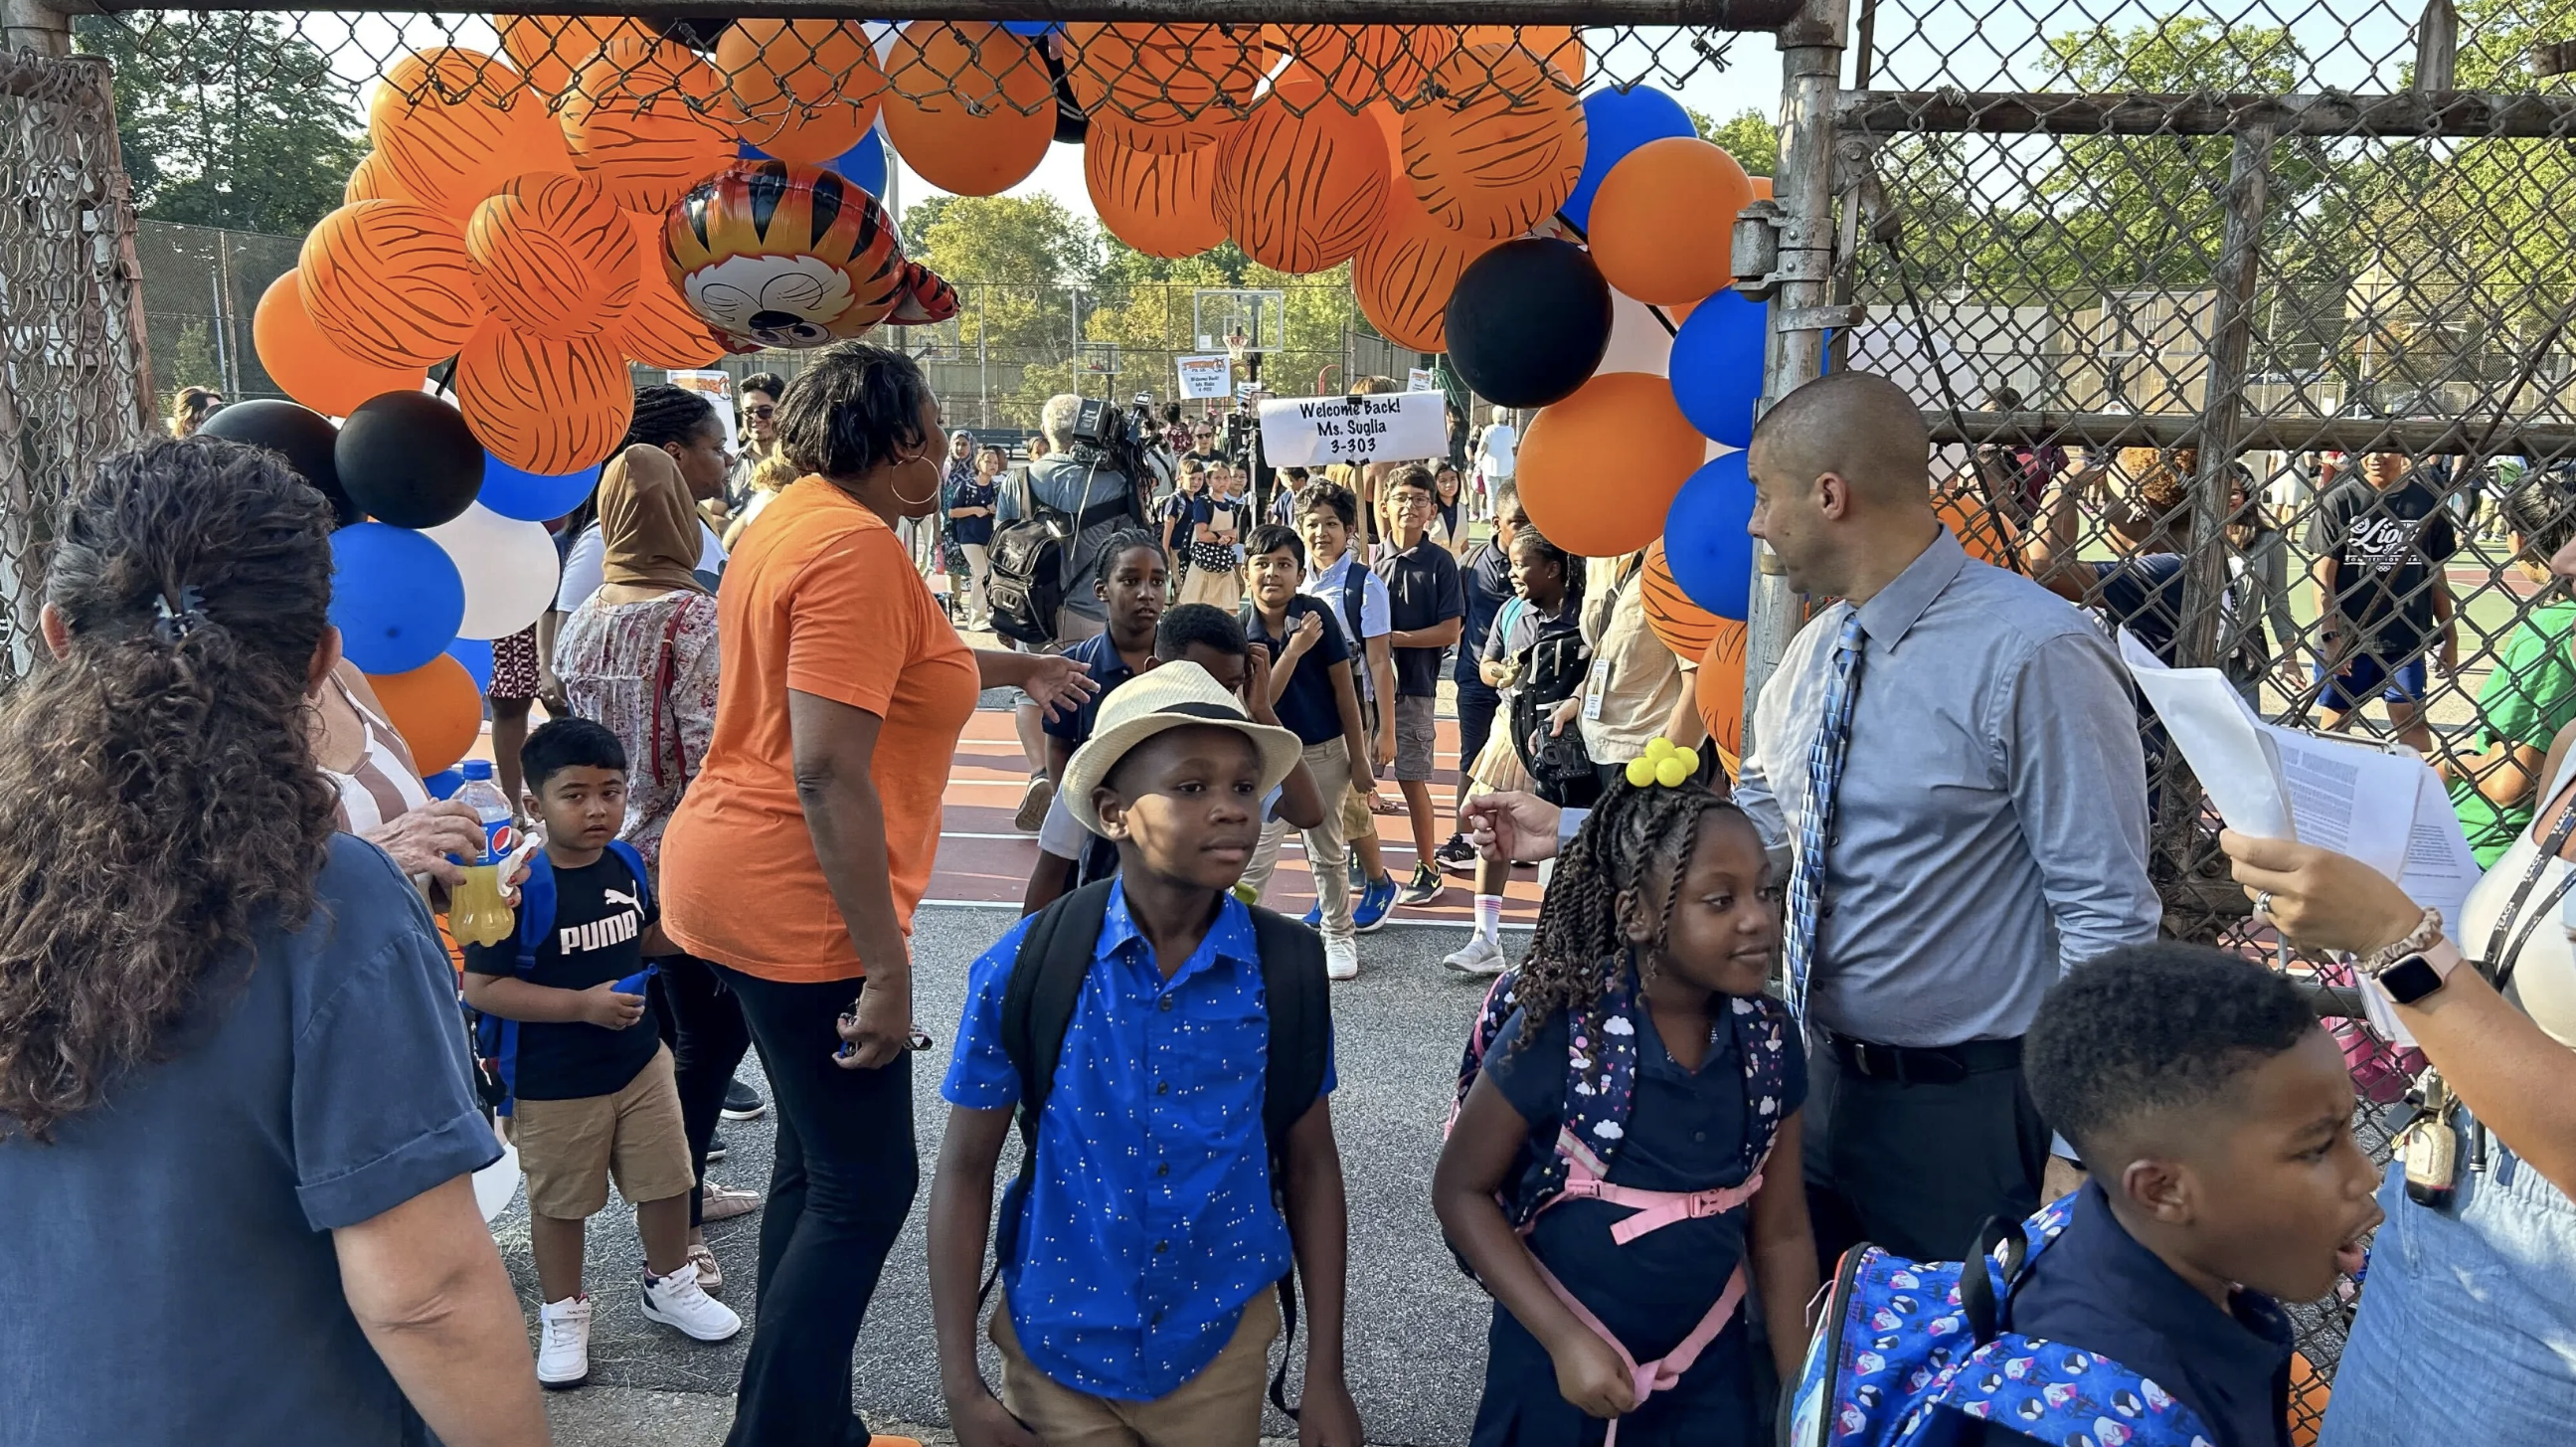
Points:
[(2499, 958)]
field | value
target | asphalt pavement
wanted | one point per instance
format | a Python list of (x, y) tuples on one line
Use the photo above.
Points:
[(1417, 1326)]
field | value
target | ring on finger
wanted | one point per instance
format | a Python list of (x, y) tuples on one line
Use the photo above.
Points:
[(2263, 904)]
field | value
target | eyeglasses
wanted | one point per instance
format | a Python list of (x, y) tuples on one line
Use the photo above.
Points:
[(761, 413)]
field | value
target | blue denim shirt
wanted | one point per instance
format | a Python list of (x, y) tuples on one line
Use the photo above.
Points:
[(1149, 1223)]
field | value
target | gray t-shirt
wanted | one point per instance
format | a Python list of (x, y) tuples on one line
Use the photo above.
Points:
[(170, 1280), (1061, 484)]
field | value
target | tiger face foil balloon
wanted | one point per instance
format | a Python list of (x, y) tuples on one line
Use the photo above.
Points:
[(778, 255)]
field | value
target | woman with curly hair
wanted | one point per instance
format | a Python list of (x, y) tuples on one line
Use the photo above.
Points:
[(1637, 1027), (236, 1123)]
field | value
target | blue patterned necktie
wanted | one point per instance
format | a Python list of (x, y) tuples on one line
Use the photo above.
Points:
[(1816, 820)]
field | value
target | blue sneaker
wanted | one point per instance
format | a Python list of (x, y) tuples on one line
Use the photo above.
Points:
[(1315, 916), (1370, 910)]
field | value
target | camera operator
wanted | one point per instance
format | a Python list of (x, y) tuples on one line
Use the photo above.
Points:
[(1094, 459)]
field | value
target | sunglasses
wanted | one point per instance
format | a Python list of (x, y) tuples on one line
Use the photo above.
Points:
[(761, 413)]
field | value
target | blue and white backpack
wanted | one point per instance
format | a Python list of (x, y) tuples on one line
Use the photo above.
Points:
[(1905, 1357), (496, 1041)]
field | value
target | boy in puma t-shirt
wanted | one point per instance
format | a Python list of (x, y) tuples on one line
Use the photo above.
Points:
[(591, 1084)]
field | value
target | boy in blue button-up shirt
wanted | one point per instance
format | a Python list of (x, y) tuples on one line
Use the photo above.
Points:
[(1138, 1307)]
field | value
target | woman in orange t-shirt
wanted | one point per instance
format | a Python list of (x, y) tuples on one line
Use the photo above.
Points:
[(796, 858)]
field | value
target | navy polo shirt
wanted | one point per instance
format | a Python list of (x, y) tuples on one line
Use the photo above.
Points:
[(2095, 1287), (1149, 1224), (1486, 580), (1108, 670), (1307, 707), (1422, 591)]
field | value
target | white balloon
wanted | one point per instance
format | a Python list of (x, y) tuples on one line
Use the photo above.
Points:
[(1639, 341), (510, 570)]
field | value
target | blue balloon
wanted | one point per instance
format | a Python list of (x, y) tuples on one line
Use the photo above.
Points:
[(444, 783), (1028, 27), (1616, 122), (476, 655), (396, 597), (1717, 366), (1705, 543), (532, 497), (862, 165)]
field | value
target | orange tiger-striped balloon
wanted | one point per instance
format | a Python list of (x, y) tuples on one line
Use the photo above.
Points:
[(1404, 275), (541, 405), (1362, 63), (807, 89), (1162, 205), (370, 180), (649, 132), (388, 282), (451, 124), (552, 50), (1559, 47), (773, 255), (1302, 193), (658, 328), (1163, 87), (1719, 690), (971, 108), (1501, 149), (553, 255), (1686, 627)]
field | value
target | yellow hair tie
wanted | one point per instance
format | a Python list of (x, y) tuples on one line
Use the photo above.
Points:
[(1665, 763)]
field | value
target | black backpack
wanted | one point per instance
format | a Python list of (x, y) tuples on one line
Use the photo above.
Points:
[(1026, 584), (1037, 1007), (1558, 662)]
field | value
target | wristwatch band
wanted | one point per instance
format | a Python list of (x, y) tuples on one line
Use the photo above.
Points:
[(2419, 974), (2427, 930)]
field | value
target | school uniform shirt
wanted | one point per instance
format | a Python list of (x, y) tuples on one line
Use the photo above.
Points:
[(600, 920), (2096, 1288), (1108, 670), (1330, 587), (1422, 591), (1687, 1130), (1486, 579), (2144, 595), (1515, 629), (1307, 706), (1149, 1224)]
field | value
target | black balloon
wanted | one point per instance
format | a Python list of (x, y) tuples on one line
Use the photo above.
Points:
[(410, 460), (1528, 321), (304, 437)]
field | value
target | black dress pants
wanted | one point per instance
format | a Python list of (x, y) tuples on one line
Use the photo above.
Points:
[(1917, 1168)]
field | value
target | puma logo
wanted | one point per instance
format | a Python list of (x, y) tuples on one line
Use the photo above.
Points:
[(619, 896)]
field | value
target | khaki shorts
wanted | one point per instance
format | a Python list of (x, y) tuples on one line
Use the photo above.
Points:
[(570, 1148), (1417, 738), (1220, 1407)]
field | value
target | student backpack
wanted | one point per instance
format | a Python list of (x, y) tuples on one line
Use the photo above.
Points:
[(1025, 585), (1600, 1086), (1047, 974), (1907, 1353), (496, 1041), (1559, 662)]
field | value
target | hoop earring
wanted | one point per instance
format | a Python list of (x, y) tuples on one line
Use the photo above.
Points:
[(925, 499)]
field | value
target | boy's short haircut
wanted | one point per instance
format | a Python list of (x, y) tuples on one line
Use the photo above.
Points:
[(1270, 538), (1344, 503), (568, 743), (1295, 476), (2150, 1030), (1507, 498), (1413, 475), (2542, 508), (1201, 623), (1119, 545)]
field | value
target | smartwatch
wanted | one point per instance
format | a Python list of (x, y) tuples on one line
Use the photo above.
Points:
[(2413, 976)]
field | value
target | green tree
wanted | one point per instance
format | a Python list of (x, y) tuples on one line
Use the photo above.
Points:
[(1749, 137), (227, 119), (1014, 260), (190, 361)]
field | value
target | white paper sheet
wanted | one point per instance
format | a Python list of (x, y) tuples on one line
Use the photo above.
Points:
[(2226, 744)]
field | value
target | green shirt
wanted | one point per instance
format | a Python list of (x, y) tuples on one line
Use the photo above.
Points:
[(2526, 701)]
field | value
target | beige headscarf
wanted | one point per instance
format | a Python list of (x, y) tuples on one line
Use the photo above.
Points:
[(647, 523)]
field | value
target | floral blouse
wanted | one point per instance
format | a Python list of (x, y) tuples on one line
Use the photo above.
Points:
[(612, 660)]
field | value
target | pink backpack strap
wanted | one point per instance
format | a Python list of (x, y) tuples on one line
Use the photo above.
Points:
[(1654, 1210), (1667, 1371)]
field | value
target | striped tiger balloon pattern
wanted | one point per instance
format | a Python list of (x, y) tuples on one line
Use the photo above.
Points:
[(775, 255)]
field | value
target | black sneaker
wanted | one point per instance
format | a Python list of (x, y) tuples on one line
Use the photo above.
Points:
[(1457, 854), (1425, 886), (715, 1149), (742, 1102)]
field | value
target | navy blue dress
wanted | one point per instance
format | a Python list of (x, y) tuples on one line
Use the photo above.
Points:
[(1687, 1131)]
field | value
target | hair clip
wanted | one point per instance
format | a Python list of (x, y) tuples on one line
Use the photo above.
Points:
[(1664, 762), (171, 624)]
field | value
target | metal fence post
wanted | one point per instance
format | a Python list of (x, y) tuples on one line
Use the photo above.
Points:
[(1811, 55)]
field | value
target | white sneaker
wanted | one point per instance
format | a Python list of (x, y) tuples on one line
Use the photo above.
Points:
[(1481, 956), (563, 1354), (1341, 959), (1033, 805), (677, 1300)]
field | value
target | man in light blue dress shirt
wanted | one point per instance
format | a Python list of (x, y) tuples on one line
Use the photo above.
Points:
[(1983, 830)]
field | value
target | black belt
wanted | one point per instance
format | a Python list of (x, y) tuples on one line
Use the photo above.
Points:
[(1923, 1064)]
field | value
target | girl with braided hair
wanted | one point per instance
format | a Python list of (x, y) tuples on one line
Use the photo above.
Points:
[(1605, 1174)]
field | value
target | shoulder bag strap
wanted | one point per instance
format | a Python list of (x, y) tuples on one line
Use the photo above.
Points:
[(1037, 1007), (1299, 998)]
